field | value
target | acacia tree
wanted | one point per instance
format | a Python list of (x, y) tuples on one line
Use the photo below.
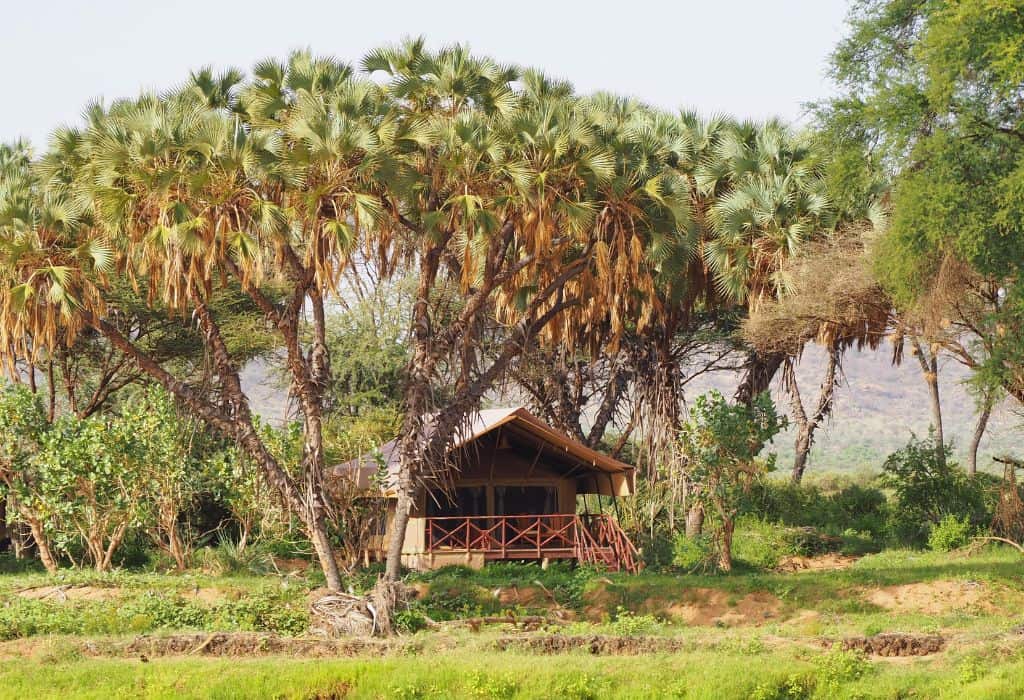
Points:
[(929, 93)]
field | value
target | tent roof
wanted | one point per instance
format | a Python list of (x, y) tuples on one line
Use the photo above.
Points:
[(484, 422)]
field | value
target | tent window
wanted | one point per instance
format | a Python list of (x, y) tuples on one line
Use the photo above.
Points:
[(525, 500), (469, 500)]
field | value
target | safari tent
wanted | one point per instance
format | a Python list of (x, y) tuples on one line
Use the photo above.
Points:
[(521, 491)]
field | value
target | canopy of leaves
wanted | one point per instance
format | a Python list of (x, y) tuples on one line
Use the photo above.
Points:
[(934, 89)]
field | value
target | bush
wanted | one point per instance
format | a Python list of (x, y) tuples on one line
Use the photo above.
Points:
[(657, 551), (852, 507), (836, 667), (949, 533), (926, 490), (762, 544), (691, 554)]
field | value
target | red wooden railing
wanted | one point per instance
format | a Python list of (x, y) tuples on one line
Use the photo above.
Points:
[(593, 539)]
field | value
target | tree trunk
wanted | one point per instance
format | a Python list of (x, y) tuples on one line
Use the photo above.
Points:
[(325, 554), (695, 521), (176, 546), (725, 555), (930, 369), (757, 377), (802, 448), (806, 425), (42, 545), (403, 508), (979, 432)]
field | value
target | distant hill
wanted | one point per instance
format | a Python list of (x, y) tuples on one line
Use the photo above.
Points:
[(880, 406), (876, 410)]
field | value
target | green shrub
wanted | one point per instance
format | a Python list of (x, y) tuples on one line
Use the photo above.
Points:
[(410, 620), (949, 533), (657, 551), (836, 667), (693, 553), (852, 507), (761, 544), (495, 687), (227, 558), (794, 686), (926, 490), (581, 687), (627, 623)]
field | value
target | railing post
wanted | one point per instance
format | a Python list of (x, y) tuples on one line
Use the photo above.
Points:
[(539, 517), (504, 536)]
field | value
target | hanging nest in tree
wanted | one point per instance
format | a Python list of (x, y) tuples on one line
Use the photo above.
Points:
[(345, 615)]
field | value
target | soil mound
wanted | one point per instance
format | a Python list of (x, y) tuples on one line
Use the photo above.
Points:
[(597, 644), (712, 607), (823, 562), (932, 598), (896, 644), (66, 592), (255, 644)]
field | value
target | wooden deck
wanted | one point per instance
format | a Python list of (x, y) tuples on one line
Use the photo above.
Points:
[(592, 539)]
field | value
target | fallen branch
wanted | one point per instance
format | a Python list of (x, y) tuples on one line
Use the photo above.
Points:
[(1019, 548)]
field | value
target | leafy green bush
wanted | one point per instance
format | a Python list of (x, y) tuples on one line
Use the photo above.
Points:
[(495, 687), (228, 558), (949, 533), (689, 554), (836, 667), (793, 686), (629, 623), (761, 544), (149, 611), (852, 507), (927, 489), (657, 551)]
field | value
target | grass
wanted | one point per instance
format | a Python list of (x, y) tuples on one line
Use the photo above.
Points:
[(476, 673), (54, 641)]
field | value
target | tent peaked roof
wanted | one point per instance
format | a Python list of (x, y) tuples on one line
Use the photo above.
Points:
[(482, 423)]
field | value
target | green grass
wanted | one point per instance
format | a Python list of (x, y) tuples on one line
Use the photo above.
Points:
[(53, 642), (147, 602), (487, 674)]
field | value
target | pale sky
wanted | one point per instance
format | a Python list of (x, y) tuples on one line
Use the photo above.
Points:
[(749, 58)]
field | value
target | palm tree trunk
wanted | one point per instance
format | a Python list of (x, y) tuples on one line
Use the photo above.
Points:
[(806, 425), (758, 375), (695, 521), (725, 555)]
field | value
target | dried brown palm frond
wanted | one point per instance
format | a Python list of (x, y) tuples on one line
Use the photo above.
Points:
[(833, 300)]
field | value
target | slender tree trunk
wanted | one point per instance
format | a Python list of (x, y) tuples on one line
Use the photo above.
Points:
[(807, 425), (930, 369), (979, 432), (42, 544), (725, 555), (802, 448), (403, 508), (51, 393)]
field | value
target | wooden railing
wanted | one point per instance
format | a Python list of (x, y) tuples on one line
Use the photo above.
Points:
[(594, 539)]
